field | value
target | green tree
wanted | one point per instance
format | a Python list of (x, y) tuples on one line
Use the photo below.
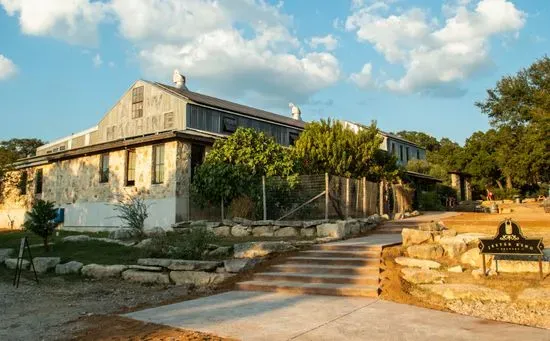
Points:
[(14, 149), (481, 159), (424, 140), (40, 220), (328, 146)]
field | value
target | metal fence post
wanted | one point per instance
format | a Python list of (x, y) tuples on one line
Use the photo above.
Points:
[(347, 198), (264, 198), (326, 195)]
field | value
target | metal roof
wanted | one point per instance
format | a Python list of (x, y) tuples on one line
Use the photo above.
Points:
[(235, 107)]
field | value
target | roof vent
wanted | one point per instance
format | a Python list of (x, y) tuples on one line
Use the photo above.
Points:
[(296, 112), (179, 80)]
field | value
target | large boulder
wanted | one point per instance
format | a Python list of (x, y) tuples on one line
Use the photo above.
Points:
[(221, 251), (467, 292), (145, 268), (222, 231), (144, 243), (291, 223), (415, 237), (313, 223), (162, 262), (242, 221), (72, 267), (77, 238), (193, 265), (288, 231), (376, 218), (155, 231), (422, 276), (11, 263), (263, 231), (453, 246), (417, 263), (474, 258), (472, 238), (308, 232), (197, 278), (122, 233), (425, 251), (241, 231), (102, 271), (431, 226), (148, 277), (456, 269), (520, 266), (44, 264), (5, 253), (239, 264), (260, 249)]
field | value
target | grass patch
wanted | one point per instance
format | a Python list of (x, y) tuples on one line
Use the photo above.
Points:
[(12, 239)]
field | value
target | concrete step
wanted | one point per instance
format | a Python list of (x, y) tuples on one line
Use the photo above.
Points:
[(340, 253), (349, 270), (311, 288), (335, 260), (316, 278), (347, 247)]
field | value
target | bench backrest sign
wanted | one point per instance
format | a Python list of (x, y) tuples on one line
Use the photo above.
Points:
[(509, 240)]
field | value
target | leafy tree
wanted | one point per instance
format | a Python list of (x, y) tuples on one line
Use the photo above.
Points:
[(14, 149), (260, 153), (419, 166), (40, 220), (481, 158), (328, 146), (424, 140)]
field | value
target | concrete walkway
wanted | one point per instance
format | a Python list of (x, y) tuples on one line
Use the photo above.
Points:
[(249, 315)]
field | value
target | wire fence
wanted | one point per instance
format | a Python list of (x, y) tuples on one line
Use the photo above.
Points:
[(305, 197)]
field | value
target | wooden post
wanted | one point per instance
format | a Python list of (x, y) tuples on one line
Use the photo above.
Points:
[(326, 195), (381, 194), (365, 206), (264, 198), (484, 266), (347, 198), (540, 268)]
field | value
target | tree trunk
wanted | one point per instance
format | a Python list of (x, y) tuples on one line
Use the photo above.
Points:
[(46, 246), (508, 182), (499, 183)]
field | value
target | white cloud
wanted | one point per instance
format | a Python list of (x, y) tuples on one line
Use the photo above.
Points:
[(363, 78), (74, 21), (7, 68), (436, 58), (97, 60), (329, 42)]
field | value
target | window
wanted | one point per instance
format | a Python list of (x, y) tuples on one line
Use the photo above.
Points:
[(104, 168), (23, 183), (158, 164), (137, 102), (229, 124), (130, 167), (401, 153), (393, 151), (197, 157), (39, 180), (407, 154), (292, 137), (418, 154)]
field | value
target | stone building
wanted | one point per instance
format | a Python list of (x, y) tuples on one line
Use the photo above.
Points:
[(148, 143)]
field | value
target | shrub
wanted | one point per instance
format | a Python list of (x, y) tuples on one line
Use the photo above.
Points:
[(505, 193), (430, 201), (133, 211), (40, 220), (243, 207), (184, 246)]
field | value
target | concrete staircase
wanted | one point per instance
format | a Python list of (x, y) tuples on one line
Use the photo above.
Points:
[(327, 269)]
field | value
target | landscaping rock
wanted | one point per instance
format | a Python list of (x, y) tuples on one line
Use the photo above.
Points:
[(221, 251), (415, 214), (146, 277), (262, 223), (144, 243), (5, 253), (77, 238), (121, 233), (467, 292), (366, 227), (43, 264), (415, 237), (331, 230), (422, 276), (222, 231), (291, 223), (228, 222), (155, 231), (417, 263), (198, 224), (453, 246), (145, 268), (102, 271), (425, 251), (287, 232), (312, 223), (472, 238), (181, 225), (474, 258), (198, 278), (193, 265), (240, 264), (162, 262), (260, 249), (513, 266), (431, 226), (72, 267), (263, 231), (242, 221), (11, 263), (456, 268), (212, 224), (535, 295), (448, 233), (240, 231), (308, 232)]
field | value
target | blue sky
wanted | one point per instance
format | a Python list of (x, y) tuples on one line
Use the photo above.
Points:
[(409, 65)]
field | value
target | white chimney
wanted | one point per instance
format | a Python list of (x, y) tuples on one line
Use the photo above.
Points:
[(295, 111), (179, 80)]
